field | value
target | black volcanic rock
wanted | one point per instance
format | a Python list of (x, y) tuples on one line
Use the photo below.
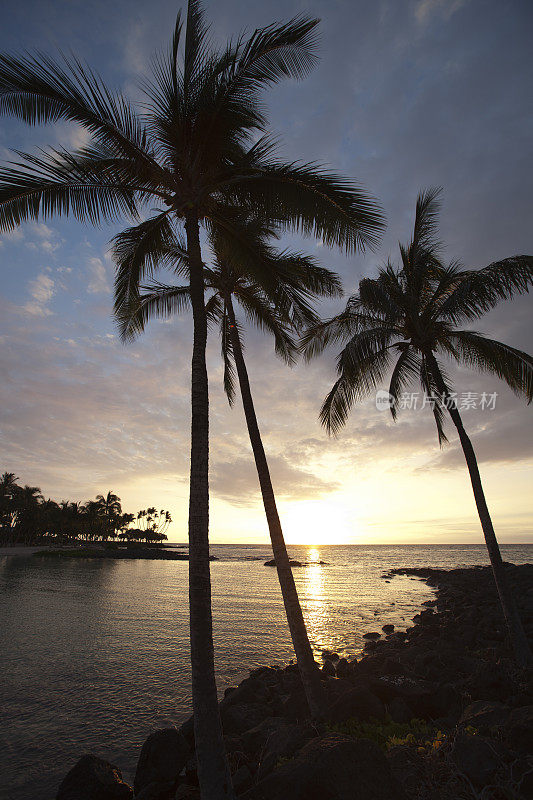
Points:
[(335, 767), (163, 756), (92, 778)]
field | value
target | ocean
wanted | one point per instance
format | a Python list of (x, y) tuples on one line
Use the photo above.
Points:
[(94, 653)]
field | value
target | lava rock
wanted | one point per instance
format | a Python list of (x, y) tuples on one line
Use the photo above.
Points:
[(475, 757), (485, 714), (163, 756), (92, 778), (343, 668), (328, 670), (329, 655), (240, 717), (335, 767), (518, 729), (358, 703)]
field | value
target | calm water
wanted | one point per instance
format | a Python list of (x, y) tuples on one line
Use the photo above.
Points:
[(94, 654)]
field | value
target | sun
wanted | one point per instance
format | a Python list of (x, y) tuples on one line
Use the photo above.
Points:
[(316, 522)]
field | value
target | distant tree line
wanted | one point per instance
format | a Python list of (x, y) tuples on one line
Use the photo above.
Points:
[(27, 518)]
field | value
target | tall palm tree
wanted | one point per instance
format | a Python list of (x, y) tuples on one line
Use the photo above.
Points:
[(195, 155), (274, 289), (408, 317)]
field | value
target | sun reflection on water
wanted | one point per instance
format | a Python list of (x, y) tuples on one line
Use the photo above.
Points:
[(315, 606)]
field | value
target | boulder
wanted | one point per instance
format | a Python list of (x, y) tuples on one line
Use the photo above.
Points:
[(329, 655), (328, 670), (255, 739), (475, 757), (274, 739), (485, 714), (335, 767), (518, 729), (372, 636), (240, 717), (242, 779), (292, 563), (186, 792), (92, 778), (335, 687), (389, 628), (295, 705), (343, 668), (163, 756), (358, 703)]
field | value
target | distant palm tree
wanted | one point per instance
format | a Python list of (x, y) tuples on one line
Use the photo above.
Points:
[(196, 157), (109, 508), (413, 313), (109, 504), (274, 289)]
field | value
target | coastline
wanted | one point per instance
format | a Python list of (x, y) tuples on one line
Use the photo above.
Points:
[(89, 551), (440, 709)]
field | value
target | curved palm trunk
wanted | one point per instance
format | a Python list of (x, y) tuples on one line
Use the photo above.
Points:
[(512, 618), (302, 648), (213, 770)]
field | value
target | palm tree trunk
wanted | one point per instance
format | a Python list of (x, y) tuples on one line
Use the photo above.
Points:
[(213, 770), (302, 648), (512, 618)]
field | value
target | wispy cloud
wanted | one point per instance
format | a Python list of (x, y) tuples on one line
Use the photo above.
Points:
[(98, 279), (41, 290), (425, 9)]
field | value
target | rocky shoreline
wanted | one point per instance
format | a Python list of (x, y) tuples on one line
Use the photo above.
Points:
[(437, 712)]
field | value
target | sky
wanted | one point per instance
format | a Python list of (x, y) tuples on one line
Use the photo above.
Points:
[(408, 94)]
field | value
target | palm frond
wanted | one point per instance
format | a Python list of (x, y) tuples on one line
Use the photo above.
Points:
[(430, 385), (41, 187), (406, 369), (228, 357), (153, 301), (361, 366), (137, 252), (307, 199), (345, 325), (37, 89), (512, 366), (264, 315), (478, 291)]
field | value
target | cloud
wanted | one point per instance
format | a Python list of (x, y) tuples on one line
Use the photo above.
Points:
[(41, 290), (425, 9), (500, 439), (236, 481), (98, 281)]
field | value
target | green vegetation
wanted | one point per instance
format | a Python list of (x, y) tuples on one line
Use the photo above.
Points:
[(387, 733), (27, 518)]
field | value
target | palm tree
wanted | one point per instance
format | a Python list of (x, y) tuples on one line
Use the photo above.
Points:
[(413, 312), (275, 297), (195, 155), (109, 508)]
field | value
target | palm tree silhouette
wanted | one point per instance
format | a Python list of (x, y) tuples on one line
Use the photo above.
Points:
[(274, 289), (194, 155), (413, 312)]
